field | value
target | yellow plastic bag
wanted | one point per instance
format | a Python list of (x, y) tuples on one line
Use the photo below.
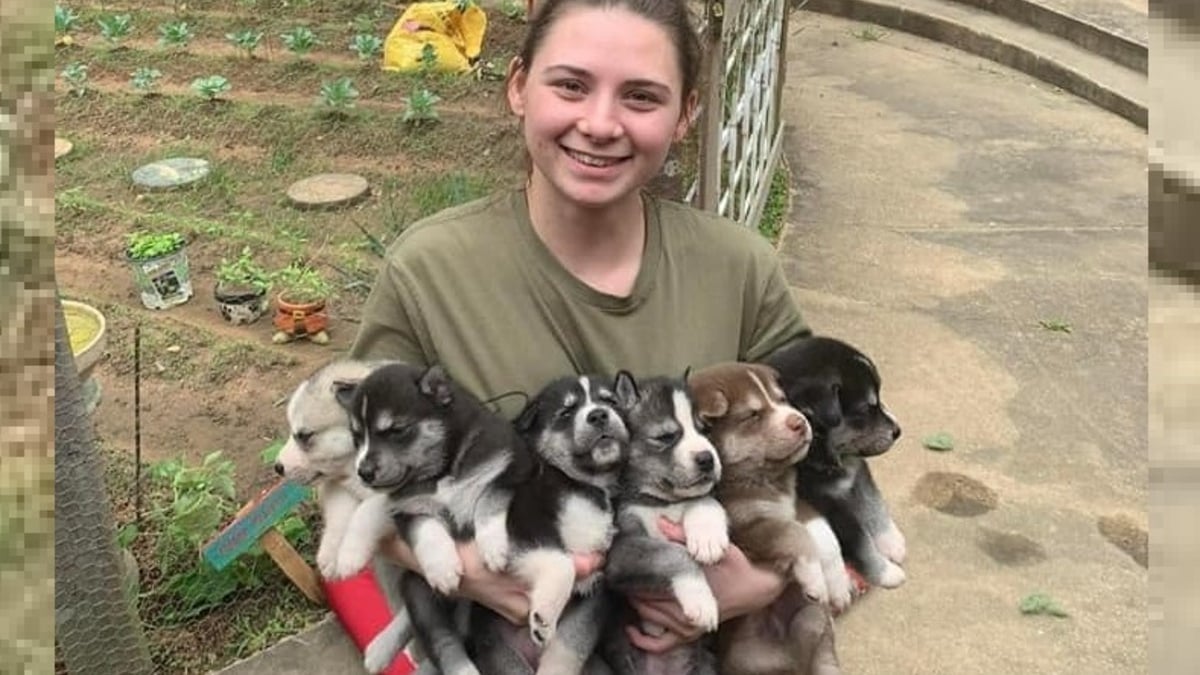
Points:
[(456, 35)]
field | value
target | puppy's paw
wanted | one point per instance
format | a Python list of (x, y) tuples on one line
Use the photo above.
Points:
[(709, 547), (892, 545), (378, 655), (707, 530), (492, 542), (840, 587), (812, 580), (352, 557), (442, 567), (541, 628), (698, 602), (327, 557), (893, 576)]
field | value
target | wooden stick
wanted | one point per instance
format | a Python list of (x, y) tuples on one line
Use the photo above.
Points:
[(305, 578)]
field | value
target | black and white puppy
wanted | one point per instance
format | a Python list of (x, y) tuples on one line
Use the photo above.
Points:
[(672, 471), (449, 467), (837, 388), (580, 444)]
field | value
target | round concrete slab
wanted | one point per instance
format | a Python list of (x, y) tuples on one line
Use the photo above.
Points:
[(62, 147), (171, 173), (328, 190)]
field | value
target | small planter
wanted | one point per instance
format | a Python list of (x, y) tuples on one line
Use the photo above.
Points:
[(162, 281), (240, 305), (294, 320)]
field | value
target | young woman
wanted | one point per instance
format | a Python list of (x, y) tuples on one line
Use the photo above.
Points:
[(580, 270)]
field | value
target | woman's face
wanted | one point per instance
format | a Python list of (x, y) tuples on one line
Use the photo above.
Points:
[(601, 103)]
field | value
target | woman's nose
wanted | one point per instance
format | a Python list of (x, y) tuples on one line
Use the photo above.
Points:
[(601, 120)]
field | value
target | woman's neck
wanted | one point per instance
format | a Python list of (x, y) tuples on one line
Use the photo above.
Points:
[(600, 247)]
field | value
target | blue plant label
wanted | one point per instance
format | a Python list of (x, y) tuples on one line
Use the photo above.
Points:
[(244, 532)]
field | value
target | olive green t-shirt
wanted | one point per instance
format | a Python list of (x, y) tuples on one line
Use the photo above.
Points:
[(475, 289)]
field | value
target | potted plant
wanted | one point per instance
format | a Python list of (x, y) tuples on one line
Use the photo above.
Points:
[(303, 293), (160, 268), (241, 290)]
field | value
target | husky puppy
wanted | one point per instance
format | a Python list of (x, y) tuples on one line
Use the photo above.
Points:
[(761, 439), (580, 444), (320, 452), (449, 467), (837, 388), (671, 471)]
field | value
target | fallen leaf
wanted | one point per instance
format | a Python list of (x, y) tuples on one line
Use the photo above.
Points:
[(940, 442), (174, 349), (1057, 326), (1040, 603)]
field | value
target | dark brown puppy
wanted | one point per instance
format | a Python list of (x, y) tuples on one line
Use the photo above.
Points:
[(760, 439)]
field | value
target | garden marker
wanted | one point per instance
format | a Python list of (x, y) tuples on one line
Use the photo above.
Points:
[(255, 523)]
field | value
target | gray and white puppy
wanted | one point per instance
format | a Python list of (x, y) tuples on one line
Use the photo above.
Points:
[(449, 467), (837, 387), (580, 444), (672, 471)]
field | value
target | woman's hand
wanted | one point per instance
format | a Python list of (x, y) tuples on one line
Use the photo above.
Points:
[(501, 592), (739, 586)]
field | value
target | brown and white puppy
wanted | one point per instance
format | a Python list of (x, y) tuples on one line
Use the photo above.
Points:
[(760, 439)]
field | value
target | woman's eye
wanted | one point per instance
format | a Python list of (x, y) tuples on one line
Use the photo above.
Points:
[(572, 87)]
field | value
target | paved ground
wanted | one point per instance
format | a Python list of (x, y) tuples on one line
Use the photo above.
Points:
[(944, 207)]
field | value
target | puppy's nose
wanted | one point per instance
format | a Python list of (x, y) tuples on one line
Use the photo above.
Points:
[(896, 433), (367, 473), (705, 461), (279, 468), (795, 422), (598, 417)]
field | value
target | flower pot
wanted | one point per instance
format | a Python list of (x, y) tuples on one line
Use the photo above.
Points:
[(240, 305), (163, 281), (87, 331), (300, 320)]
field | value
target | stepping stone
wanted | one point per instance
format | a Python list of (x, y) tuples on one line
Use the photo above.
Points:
[(61, 147), (171, 173), (328, 190)]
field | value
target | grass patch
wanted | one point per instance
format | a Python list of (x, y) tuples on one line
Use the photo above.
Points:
[(775, 211)]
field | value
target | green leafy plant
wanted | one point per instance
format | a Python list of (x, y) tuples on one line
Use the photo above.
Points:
[(76, 77), (301, 284), (175, 34), (243, 272), (338, 95), (246, 40), (115, 27), (365, 23), (300, 40), (464, 5), (513, 9), (65, 21), (420, 107), (145, 79), (211, 87), (146, 245), (428, 60), (366, 46)]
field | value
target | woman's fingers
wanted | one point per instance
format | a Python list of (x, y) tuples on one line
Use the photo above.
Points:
[(587, 564), (666, 613), (654, 645), (672, 530)]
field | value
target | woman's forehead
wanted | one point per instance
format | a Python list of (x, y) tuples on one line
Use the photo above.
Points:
[(614, 39)]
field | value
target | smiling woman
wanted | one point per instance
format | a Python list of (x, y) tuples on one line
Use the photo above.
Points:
[(581, 270)]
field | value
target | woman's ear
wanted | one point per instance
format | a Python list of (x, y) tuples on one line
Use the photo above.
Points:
[(516, 79), (687, 115)]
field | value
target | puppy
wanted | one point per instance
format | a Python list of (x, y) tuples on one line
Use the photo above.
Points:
[(837, 388), (761, 439), (580, 443), (672, 471), (448, 466), (320, 451)]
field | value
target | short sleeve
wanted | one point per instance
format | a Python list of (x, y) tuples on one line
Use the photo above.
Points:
[(391, 326), (775, 319)]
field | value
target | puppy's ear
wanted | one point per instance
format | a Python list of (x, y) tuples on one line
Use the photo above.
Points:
[(528, 416), (626, 389), (435, 384), (343, 392), (686, 373), (712, 405)]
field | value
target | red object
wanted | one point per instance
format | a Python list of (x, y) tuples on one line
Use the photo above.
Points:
[(362, 610)]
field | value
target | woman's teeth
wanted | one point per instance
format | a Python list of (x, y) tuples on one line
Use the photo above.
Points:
[(591, 160)]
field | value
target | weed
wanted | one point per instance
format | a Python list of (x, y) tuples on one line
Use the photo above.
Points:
[(939, 442), (419, 107), (65, 21), (76, 76), (145, 79), (246, 40), (115, 27), (299, 40), (869, 34), (175, 34), (428, 60), (1055, 325), (513, 9), (366, 46), (775, 210), (1040, 603), (211, 87)]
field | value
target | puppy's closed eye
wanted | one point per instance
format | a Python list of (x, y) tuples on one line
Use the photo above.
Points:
[(303, 436)]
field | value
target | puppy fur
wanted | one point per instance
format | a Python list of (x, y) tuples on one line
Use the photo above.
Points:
[(449, 467), (320, 452), (580, 444), (837, 387), (761, 439), (672, 471)]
